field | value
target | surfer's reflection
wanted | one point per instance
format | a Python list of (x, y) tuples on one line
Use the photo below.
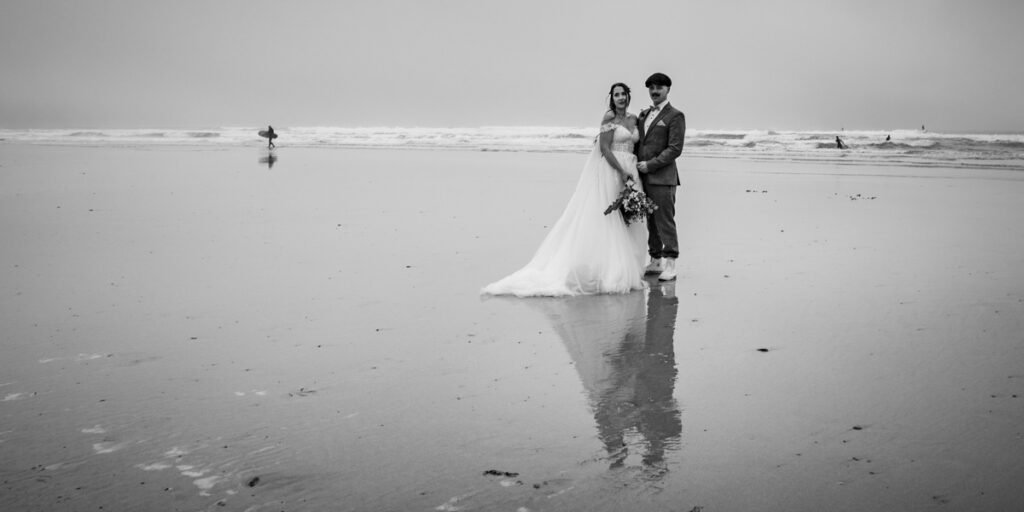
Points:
[(622, 349), (269, 160)]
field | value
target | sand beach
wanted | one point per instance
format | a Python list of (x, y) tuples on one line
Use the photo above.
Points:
[(190, 328)]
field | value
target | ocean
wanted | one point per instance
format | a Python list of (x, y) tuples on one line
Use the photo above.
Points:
[(914, 148)]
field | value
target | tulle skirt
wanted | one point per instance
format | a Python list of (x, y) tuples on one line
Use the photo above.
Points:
[(586, 252)]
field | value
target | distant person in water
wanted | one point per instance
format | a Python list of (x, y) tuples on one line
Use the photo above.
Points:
[(839, 143), (270, 137), (888, 138)]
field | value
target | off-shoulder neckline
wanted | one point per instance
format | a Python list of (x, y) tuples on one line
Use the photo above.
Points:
[(635, 127)]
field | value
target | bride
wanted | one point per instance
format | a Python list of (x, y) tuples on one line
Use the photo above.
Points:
[(587, 252)]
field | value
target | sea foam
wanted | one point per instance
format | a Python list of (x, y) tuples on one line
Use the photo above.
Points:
[(869, 147)]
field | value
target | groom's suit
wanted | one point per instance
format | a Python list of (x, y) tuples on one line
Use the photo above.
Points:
[(659, 146)]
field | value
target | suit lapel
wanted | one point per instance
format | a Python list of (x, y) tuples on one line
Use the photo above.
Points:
[(661, 113)]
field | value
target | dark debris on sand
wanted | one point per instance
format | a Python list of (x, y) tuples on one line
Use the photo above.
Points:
[(865, 198), (495, 472)]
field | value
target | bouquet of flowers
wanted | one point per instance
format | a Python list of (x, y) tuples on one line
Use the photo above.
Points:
[(634, 205)]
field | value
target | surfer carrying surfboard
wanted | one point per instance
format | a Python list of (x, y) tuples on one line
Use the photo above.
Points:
[(270, 136)]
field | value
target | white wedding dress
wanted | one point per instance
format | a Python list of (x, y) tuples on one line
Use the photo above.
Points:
[(587, 252)]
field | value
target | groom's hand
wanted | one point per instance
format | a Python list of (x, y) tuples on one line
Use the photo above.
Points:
[(642, 167)]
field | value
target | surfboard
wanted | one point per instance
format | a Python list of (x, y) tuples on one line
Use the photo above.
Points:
[(264, 133)]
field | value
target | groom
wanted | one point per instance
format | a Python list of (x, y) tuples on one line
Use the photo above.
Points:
[(661, 141)]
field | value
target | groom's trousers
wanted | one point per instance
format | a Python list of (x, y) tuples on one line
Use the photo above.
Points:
[(662, 241)]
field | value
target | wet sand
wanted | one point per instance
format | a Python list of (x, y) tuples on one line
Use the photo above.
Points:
[(189, 329)]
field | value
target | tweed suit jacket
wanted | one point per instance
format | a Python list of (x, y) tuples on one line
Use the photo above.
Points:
[(661, 146)]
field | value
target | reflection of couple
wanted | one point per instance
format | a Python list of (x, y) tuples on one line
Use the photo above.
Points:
[(587, 252), (626, 361)]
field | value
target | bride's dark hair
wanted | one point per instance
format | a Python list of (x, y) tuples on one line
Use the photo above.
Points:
[(611, 100)]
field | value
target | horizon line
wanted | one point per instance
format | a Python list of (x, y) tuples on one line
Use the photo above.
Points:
[(519, 126)]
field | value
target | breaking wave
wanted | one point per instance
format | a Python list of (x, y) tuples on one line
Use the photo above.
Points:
[(905, 147)]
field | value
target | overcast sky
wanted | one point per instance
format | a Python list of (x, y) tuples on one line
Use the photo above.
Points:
[(746, 64)]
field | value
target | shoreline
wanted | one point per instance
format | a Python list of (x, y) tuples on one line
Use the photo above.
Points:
[(906, 147), (688, 155)]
